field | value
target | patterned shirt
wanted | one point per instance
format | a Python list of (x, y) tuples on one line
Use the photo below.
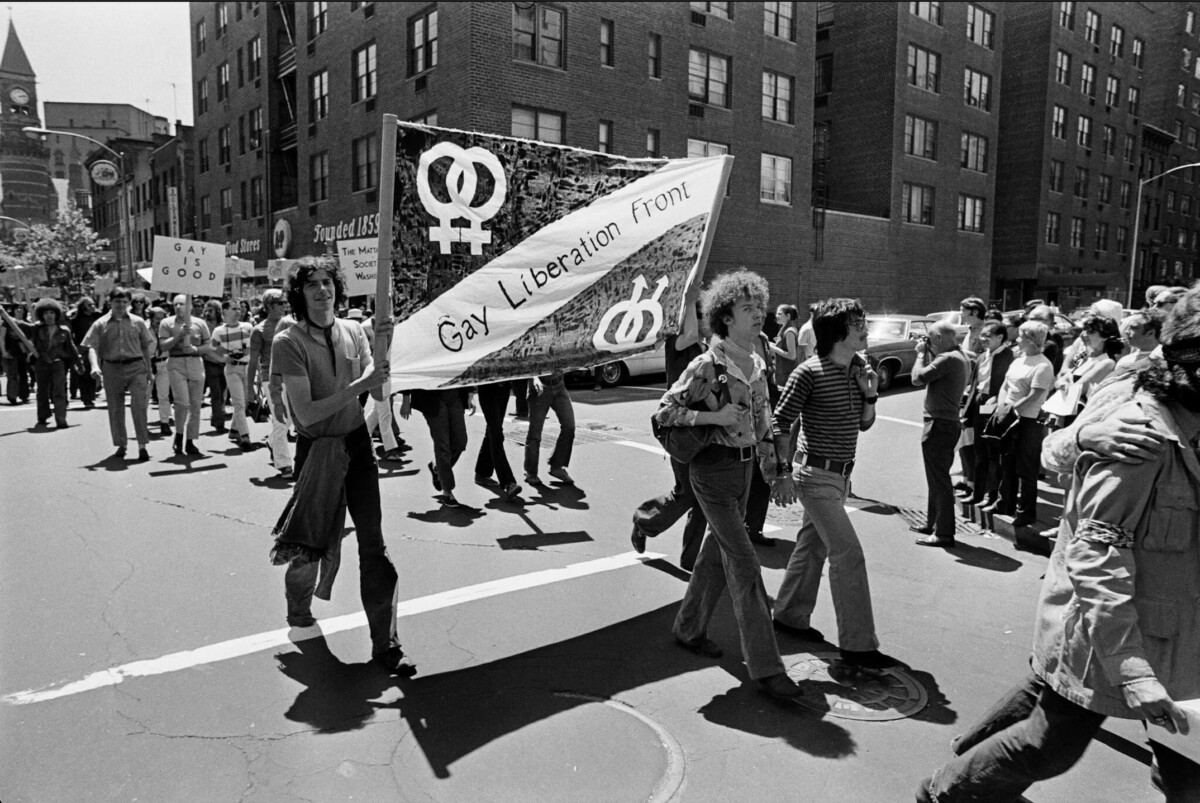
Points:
[(829, 404), (235, 340)]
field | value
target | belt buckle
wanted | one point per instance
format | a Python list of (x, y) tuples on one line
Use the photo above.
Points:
[(847, 467), (745, 454)]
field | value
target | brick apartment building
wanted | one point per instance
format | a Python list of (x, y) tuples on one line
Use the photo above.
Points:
[(906, 109), (289, 98)]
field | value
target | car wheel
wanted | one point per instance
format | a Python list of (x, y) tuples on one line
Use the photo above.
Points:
[(887, 373), (613, 374)]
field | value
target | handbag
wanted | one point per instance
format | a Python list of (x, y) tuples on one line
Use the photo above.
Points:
[(684, 443), (258, 411), (998, 430)]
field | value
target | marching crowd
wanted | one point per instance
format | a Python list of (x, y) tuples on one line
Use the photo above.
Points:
[(1114, 415)]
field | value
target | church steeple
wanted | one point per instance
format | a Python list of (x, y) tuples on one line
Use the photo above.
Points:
[(26, 191), (15, 63)]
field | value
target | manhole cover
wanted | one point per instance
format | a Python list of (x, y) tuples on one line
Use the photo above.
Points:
[(830, 686)]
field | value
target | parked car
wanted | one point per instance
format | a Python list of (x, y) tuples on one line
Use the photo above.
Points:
[(619, 371), (890, 346)]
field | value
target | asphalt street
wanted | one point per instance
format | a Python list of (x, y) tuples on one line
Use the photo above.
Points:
[(145, 654)]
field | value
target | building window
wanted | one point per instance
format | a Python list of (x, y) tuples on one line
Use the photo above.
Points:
[(923, 68), (1077, 233), (428, 118), (226, 206), (222, 19), (1087, 80), (254, 58), (775, 179), (1134, 100), (777, 97), (1116, 45), (422, 41), (318, 96), (699, 149), (1123, 240), (1056, 175), (1066, 15), (1139, 52), (1105, 194), (242, 135), (654, 55), (606, 43), (1082, 179), (1062, 68), (605, 137), (1058, 124), (256, 128), (1102, 237), (1181, 96), (1053, 221), (917, 203), (241, 69), (980, 23), (1191, 137), (1130, 147), (538, 34), (318, 178), (977, 89), (1126, 194), (1109, 143), (318, 18), (362, 73), (1112, 91), (223, 145), (930, 12), (824, 75), (205, 212), (653, 143), (1189, 24), (1185, 205), (538, 124), (201, 37), (920, 137), (202, 156), (779, 19), (708, 78), (974, 155), (222, 81), (1091, 26), (256, 196), (970, 213), (715, 9), (364, 162), (1083, 133), (1170, 201), (202, 96)]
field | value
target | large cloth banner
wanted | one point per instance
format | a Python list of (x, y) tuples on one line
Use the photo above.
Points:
[(513, 258)]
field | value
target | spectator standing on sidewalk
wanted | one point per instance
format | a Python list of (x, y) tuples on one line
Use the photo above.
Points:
[(231, 341), (991, 367), (120, 347), (82, 381), (1140, 331), (56, 354), (326, 363), (786, 347), (258, 376), (183, 336), (944, 370), (547, 393), (970, 313)]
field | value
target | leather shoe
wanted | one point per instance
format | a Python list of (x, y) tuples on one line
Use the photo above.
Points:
[(761, 540), (705, 647), (190, 449), (143, 455), (396, 662), (806, 633), (926, 530), (933, 540), (638, 539), (1023, 520), (868, 659), (780, 686), (437, 483)]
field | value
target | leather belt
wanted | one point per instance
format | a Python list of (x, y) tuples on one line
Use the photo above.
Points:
[(238, 362), (741, 454), (843, 467), (180, 356), (125, 362)]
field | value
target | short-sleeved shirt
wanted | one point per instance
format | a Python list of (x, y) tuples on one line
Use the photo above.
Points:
[(945, 377), (330, 364), (119, 338), (262, 338), (234, 339), (1026, 373), (200, 335), (808, 339), (829, 404)]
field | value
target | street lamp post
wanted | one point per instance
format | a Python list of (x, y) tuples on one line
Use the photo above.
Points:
[(1137, 220), (123, 204)]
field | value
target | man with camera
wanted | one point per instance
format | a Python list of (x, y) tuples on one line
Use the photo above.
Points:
[(943, 368), (231, 340)]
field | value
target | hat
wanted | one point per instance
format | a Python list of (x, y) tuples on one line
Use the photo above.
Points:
[(355, 314)]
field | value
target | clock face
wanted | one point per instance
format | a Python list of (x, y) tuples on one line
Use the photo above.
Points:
[(19, 96)]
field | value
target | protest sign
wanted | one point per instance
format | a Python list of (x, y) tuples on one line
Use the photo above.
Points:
[(514, 258), (359, 263), (188, 266)]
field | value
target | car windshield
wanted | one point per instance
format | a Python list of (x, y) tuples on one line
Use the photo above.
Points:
[(883, 329)]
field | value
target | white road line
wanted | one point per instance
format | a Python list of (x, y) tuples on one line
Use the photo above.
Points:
[(899, 420), (246, 645)]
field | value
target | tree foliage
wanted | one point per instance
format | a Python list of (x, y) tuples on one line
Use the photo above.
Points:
[(67, 250)]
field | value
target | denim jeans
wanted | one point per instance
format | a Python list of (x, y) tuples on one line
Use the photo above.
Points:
[(1032, 734), (493, 402), (235, 381), (826, 533), (51, 388), (16, 371), (119, 380), (938, 440), (377, 578), (728, 560), (540, 404), (655, 516), (448, 430), (187, 389), (214, 383)]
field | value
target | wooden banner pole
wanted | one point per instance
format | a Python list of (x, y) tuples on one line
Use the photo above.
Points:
[(383, 276)]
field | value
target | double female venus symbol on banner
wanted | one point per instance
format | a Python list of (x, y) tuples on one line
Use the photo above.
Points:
[(462, 180)]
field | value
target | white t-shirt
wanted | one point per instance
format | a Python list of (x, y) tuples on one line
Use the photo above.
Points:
[(807, 341), (1027, 372)]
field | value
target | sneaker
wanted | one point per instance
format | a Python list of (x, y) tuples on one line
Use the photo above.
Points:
[(512, 491), (395, 661), (448, 500), (562, 476)]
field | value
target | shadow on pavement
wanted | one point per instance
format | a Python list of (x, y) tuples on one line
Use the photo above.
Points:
[(337, 696), (461, 516), (275, 481), (937, 710), (454, 714), (982, 558), (187, 468), (568, 496), (112, 462)]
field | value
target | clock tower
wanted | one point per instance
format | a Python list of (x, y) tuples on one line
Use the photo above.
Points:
[(26, 191)]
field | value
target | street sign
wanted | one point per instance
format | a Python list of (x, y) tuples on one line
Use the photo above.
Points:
[(21, 235), (105, 173), (359, 260), (188, 266), (173, 211)]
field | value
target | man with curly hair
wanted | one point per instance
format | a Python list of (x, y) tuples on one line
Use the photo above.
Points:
[(326, 363), (726, 388)]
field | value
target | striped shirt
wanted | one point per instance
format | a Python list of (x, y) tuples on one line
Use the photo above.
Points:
[(828, 403), (234, 339)]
